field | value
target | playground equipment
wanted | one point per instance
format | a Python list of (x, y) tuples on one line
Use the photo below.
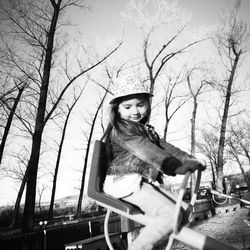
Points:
[(246, 203), (181, 233)]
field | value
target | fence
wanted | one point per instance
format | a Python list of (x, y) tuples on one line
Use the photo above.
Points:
[(56, 237), (23, 242)]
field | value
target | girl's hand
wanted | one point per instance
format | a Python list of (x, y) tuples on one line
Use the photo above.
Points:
[(190, 165)]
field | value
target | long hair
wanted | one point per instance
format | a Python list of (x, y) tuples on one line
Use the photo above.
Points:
[(124, 127)]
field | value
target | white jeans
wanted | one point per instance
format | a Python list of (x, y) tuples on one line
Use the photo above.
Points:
[(154, 204)]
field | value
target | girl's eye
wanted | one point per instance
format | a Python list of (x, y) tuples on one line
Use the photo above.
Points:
[(140, 105)]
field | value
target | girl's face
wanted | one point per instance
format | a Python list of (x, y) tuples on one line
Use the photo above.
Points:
[(133, 109)]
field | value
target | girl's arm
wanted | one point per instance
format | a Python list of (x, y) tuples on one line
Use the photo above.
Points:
[(182, 156), (189, 163), (142, 147), (169, 160)]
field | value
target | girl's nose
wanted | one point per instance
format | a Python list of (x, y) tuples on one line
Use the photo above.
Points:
[(135, 111)]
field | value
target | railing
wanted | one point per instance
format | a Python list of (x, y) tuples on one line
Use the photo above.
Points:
[(58, 236), (24, 241)]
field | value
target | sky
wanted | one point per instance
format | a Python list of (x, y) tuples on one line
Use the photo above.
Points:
[(105, 18), (105, 22)]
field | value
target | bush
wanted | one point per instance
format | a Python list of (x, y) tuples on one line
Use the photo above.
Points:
[(5, 216)]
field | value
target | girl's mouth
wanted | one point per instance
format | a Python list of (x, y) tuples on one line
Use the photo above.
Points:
[(135, 118)]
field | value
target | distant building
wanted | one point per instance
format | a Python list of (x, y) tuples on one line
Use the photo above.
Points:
[(68, 201)]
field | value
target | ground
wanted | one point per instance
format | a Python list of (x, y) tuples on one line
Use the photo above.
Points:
[(230, 226)]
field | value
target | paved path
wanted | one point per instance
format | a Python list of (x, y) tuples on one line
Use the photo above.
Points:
[(229, 227)]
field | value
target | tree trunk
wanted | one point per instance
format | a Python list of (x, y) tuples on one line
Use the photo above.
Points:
[(52, 200), (30, 199), (213, 174), (167, 120), (247, 174), (193, 140), (193, 126), (219, 180), (247, 180), (220, 157), (18, 201), (9, 121), (53, 192), (236, 156), (79, 205)]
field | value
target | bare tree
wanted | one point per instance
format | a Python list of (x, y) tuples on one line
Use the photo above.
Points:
[(36, 25), (239, 147), (197, 86), (18, 201), (18, 172), (12, 109), (208, 146), (89, 140), (172, 101), (162, 24), (69, 110), (7, 89), (40, 191), (232, 41)]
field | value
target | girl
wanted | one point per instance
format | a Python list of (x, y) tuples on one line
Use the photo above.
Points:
[(138, 157)]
